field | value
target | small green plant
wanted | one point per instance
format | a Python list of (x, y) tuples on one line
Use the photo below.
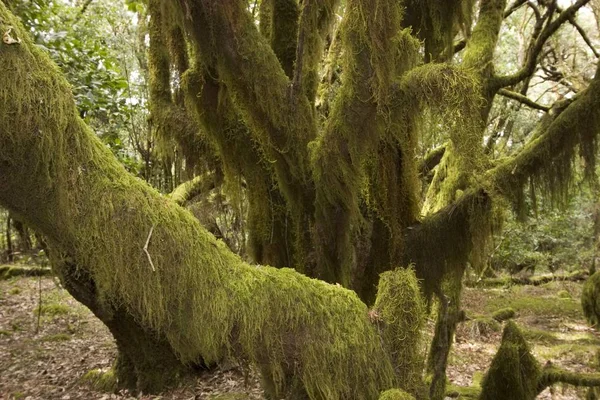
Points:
[(52, 309), (59, 337), (101, 380), (14, 291)]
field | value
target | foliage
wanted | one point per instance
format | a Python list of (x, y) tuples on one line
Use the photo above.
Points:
[(553, 240), (90, 46)]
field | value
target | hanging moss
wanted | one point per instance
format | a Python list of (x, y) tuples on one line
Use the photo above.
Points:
[(282, 126), (402, 313), (514, 371), (187, 287), (437, 22), (271, 231), (590, 299), (549, 157), (374, 53), (170, 123), (316, 19)]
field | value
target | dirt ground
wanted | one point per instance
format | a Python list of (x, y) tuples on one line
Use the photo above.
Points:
[(46, 359)]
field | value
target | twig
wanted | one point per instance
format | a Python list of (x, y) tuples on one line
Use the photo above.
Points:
[(39, 309), (146, 248)]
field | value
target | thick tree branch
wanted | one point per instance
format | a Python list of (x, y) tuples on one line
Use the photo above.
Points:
[(568, 124), (282, 125), (551, 375), (316, 19), (534, 51), (203, 299), (522, 99)]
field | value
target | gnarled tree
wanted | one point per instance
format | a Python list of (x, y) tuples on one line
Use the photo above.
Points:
[(331, 170)]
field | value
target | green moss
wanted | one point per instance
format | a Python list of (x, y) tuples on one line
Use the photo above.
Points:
[(14, 291), (53, 309), (563, 294), (548, 158), (463, 392), (59, 337), (366, 152), (284, 32), (395, 394), (514, 371), (526, 304), (100, 380), (206, 301), (402, 312), (5, 333), (436, 23), (504, 314), (540, 336), (483, 326), (590, 299), (12, 271)]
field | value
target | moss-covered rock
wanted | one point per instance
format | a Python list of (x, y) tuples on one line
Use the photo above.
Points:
[(483, 326), (590, 299), (463, 392), (395, 394), (504, 314), (514, 372)]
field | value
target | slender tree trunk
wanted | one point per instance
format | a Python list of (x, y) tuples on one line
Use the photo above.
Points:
[(9, 246)]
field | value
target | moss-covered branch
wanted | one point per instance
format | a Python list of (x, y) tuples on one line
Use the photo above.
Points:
[(552, 375), (281, 30), (479, 51), (282, 125), (169, 120), (375, 51), (269, 240), (315, 24), (309, 338), (192, 188), (549, 155)]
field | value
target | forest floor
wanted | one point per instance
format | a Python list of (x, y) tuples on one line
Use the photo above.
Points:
[(48, 361)]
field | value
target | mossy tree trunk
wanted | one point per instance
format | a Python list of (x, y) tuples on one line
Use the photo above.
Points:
[(335, 196), (168, 291)]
